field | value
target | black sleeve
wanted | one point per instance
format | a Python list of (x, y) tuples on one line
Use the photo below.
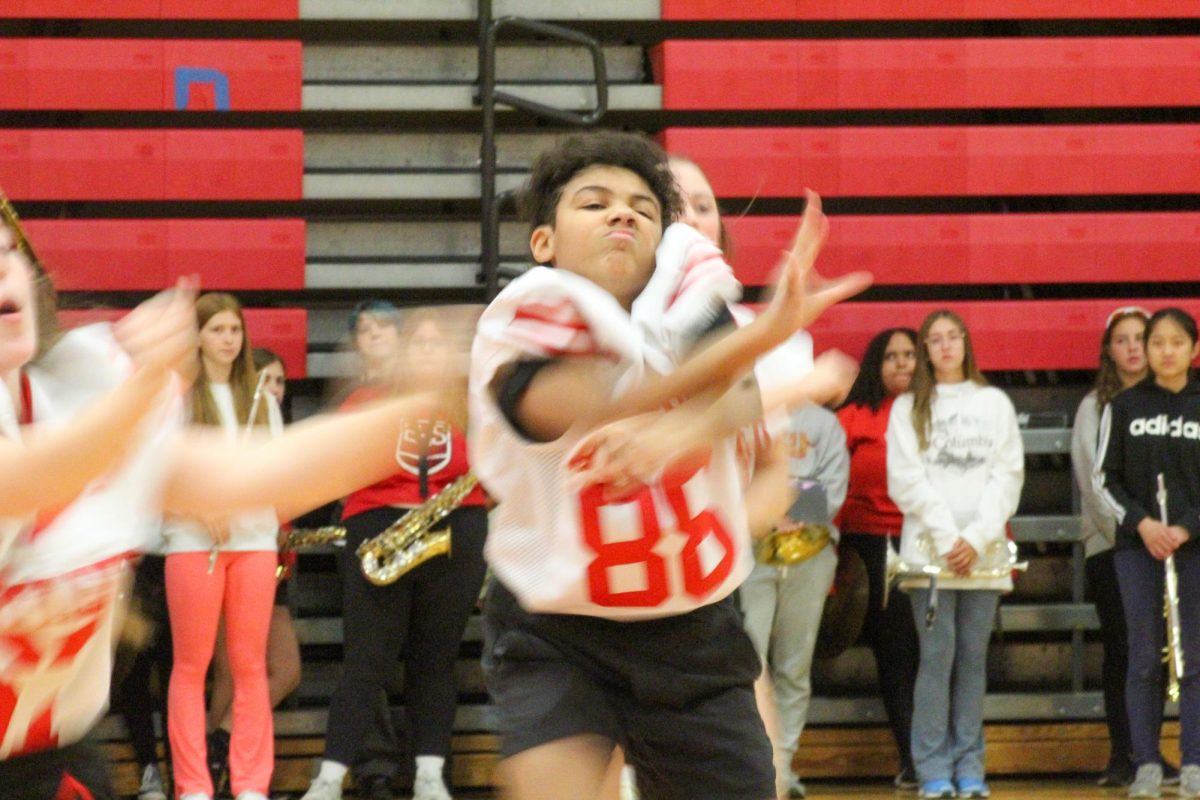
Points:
[(510, 386)]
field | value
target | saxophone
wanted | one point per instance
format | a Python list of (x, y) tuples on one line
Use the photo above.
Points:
[(301, 538), (410, 541), (1174, 654), (792, 544)]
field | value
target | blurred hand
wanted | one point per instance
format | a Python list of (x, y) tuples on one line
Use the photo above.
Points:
[(832, 376), (160, 334), (623, 455), (801, 294)]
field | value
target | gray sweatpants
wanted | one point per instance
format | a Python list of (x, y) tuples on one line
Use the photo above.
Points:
[(782, 609)]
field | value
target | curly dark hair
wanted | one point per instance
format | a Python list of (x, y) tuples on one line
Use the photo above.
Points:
[(555, 167), (868, 388)]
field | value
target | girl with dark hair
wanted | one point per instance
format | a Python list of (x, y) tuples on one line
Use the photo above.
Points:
[(870, 524), (1122, 364), (1151, 433), (955, 469)]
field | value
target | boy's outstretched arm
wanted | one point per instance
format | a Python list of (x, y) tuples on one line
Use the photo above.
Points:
[(627, 451), (799, 298)]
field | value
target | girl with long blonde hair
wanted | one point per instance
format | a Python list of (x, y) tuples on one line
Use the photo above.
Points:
[(955, 466)]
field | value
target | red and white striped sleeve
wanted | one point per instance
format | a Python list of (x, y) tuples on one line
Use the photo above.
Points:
[(552, 329)]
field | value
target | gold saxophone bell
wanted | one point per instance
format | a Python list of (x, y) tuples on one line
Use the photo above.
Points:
[(411, 541), (784, 547)]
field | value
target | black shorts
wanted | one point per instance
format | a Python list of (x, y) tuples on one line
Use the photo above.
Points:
[(75, 772), (676, 693)]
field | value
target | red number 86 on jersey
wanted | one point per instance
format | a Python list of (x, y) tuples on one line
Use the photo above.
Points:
[(617, 553)]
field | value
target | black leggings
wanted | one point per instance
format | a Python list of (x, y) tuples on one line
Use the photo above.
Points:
[(422, 617), (133, 696), (893, 638), (1105, 592)]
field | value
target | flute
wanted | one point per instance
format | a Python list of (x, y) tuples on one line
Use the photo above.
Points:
[(1171, 600), (254, 403)]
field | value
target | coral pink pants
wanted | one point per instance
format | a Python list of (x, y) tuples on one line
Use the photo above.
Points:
[(243, 585)]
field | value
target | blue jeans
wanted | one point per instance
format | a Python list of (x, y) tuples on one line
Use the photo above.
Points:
[(947, 733), (1141, 577)]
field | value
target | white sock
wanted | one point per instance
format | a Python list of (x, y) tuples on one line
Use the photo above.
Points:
[(332, 771), (430, 765)]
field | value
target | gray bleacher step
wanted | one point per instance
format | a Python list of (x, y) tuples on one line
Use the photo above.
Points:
[(351, 185), (996, 707), (1048, 617), (1046, 440), (328, 630), (432, 97), (460, 10), (1046, 528), (424, 165), (439, 63), (402, 255)]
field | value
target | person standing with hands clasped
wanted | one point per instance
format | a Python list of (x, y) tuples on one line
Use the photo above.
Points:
[(955, 470), (1149, 430)]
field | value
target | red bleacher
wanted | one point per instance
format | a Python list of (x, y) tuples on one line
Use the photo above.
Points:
[(946, 249), (925, 9), (1008, 335), (928, 73), (151, 9), (140, 74), (149, 254), (152, 164), (284, 330), (945, 161)]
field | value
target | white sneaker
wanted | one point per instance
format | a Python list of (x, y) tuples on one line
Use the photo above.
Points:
[(152, 785), (252, 796), (428, 786), (195, 796), (323, 789)]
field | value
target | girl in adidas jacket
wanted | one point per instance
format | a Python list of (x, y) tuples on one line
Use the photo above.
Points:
[(1152, 429), (955, 470)]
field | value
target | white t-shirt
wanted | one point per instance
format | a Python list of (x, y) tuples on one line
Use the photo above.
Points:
[(249, 531)]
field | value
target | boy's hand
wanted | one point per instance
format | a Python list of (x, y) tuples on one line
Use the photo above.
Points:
[(801, 295), (622, 455), (160, 334)]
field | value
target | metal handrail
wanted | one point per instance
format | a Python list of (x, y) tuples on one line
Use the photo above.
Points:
[(489, 97)]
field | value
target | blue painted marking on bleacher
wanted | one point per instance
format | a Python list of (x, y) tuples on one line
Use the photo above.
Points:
[(185, 77)]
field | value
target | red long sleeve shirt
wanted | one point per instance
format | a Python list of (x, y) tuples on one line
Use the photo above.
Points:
[(868, 508)]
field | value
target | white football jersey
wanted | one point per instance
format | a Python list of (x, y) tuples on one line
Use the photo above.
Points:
[(62, 573), (678, 544)]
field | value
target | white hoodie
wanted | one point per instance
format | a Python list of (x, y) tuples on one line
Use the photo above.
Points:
[(966, 483)]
